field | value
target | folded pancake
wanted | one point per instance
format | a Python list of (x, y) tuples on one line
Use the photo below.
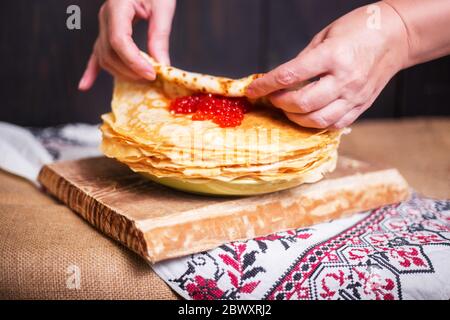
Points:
[(196, 82), (266, 152)]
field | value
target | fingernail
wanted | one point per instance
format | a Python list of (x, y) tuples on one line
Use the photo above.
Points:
[(150, 75), (81, 84)]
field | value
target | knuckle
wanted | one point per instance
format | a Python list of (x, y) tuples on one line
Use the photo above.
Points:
[(105, 9), (356, 95), (115, 41), (317, 38), (342, 58), (109, 5), (352, 96), (104, 64), (101, 12), (364, 95), (109, 52), (319, 121), (358, 79), (324, 51), (285, 77), (303, 103), (101, 60)]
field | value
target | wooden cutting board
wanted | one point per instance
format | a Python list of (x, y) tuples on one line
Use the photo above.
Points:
[(160, 223)]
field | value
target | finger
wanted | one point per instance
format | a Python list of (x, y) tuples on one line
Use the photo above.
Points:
[(118, 69), (317, 39), (349, 117), (309, 98), (90, 74), (322, 118), (355, 112), (108, 58), (121, 71), (120, 38), (112, 62), (159, 30), (305, 66)]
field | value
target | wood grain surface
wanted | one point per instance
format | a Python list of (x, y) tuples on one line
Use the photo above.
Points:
[(159, 223)]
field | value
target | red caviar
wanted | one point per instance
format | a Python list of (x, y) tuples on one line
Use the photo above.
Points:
[(224, 111)]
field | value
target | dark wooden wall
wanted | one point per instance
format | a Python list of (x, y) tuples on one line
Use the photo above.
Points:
[(41, 60)]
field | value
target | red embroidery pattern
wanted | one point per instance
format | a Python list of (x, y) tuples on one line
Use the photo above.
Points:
[(204, 289), (241, 273), (365, 261), (235, 266)]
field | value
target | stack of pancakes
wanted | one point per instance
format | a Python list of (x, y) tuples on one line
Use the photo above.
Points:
[(265, 153)]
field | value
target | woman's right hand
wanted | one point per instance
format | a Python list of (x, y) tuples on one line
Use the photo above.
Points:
[(115, 50)]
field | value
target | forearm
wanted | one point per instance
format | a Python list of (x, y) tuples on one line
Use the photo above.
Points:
[(427, 23)]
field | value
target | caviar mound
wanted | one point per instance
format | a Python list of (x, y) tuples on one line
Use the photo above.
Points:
[(224, 111)]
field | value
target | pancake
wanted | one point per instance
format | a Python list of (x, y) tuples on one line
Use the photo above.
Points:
[(187, 82), (265, 153)]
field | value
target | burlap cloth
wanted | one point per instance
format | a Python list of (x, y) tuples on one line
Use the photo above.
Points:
[(40, 241)]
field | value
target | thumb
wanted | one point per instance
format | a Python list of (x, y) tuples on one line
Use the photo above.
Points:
[(159, 30)]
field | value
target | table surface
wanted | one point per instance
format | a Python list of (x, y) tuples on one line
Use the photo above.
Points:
[(419, 148), (37, 248)]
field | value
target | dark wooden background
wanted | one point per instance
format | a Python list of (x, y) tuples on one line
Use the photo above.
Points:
[(41, 60)]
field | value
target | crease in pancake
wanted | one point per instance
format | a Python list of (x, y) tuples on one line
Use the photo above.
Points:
[(266, 149)]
